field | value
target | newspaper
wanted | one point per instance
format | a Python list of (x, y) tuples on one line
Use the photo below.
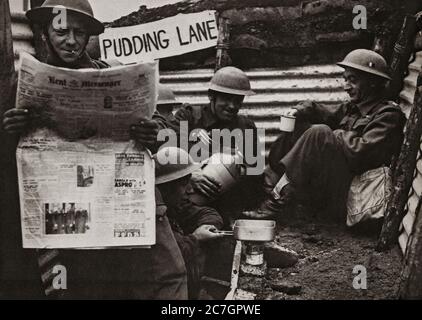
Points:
[(82, 182), (79, 104)]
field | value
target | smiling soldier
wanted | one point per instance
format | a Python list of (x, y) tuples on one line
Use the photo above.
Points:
[(226, 92), (156, 273), (316, 163)]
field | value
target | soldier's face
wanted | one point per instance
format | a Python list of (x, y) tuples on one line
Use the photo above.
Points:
[(226, 106), (358, 85), (69, 40), (174, 191)]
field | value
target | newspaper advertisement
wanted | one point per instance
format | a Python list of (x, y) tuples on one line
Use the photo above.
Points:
[(82, 182)]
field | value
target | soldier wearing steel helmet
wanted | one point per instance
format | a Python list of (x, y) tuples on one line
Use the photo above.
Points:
[(315, 164), (157, 273), (166, 101), (66, 47), (194, 227), (227, 90)]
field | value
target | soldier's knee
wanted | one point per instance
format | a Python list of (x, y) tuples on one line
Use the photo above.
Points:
[(321, 133), (320, 129)]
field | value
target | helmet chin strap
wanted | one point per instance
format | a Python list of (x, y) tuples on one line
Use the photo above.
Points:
[(212, 104)]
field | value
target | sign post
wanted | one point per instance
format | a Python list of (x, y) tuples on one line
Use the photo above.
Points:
[(222, 58)]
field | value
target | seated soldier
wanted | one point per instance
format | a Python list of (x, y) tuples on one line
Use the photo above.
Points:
[(315, 164), (226, 93), (193, 226)]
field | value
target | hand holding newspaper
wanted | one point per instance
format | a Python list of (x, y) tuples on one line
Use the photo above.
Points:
[(82, 182), (84, 103)]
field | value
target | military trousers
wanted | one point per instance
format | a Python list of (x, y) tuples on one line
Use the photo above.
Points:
[(313, 160)]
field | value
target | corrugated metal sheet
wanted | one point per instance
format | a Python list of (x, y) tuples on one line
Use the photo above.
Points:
[(407, 97), (276, 90), (408, 93), (22, 36)]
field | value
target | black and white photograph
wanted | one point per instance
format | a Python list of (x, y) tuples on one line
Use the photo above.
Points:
[(308, 112), (66, 218), (108, 102), (85, 176)]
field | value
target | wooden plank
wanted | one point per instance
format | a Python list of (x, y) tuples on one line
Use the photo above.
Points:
[(403, 242), (9, 215), (401, 54), (411, 275), (21, 31), (235, 270), (412, 203), (419, 166), (408, 221), (223, 43), (417, 184), (403, 175)]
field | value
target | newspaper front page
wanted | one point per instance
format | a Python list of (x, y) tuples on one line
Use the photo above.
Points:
[(82, 182)]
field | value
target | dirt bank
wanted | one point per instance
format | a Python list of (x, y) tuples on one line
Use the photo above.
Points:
[(328, 254), (283, 33)]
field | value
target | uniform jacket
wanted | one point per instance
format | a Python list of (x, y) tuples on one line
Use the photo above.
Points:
[(369, 133), (201, 117)]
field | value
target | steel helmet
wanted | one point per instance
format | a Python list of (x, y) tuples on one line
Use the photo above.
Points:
[(367, 61), (173, 163), (43, 14), (166, 96), (231, 80)]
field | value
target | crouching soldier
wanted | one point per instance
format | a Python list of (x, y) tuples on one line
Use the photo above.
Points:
[(315, 164), (193, 226)]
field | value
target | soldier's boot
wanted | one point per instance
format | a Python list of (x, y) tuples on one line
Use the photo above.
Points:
[(274, 205)]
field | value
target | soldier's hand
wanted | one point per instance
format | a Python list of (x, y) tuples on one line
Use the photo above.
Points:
[(205, 185), (206, 232), (15, 121), (303, 110), (145, 132)]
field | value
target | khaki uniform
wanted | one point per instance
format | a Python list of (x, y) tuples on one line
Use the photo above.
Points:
[(184, 221), (246, 192), (156, 273), (330, 145)]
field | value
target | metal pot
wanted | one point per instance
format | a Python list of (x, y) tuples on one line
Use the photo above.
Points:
[(254, 230), (222, 167)]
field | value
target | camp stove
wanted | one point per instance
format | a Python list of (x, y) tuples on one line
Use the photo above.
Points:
[(254, 234), (251, 237), (254, 253)]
